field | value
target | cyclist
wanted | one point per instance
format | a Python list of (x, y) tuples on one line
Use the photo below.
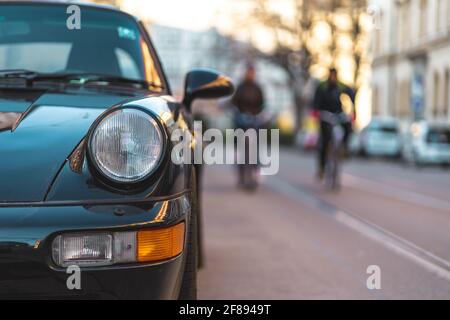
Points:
[(249, 96), (249, 102), (328, 98)]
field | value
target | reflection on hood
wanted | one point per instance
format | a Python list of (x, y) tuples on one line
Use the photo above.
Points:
[(8, 119)]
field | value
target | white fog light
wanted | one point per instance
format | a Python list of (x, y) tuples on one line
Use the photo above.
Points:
[(94, 249)]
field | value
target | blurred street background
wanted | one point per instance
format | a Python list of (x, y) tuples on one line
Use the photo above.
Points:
[(293, 239)]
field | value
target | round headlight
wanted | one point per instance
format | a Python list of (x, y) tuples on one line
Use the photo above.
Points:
[(127, 145)]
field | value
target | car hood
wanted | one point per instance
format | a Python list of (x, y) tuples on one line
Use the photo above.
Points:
[(48, 128)]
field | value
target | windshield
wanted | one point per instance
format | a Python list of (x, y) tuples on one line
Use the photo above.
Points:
[(383, 127), (439, 135), (37, 38), (387, 129)]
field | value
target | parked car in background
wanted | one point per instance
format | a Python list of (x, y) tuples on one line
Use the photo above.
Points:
[(381, 137), (427, 143)]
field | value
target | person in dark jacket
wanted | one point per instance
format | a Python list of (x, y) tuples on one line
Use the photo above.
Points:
[(249, 102), (249, 96), (328, 98)]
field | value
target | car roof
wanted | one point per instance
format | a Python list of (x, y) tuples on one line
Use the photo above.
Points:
[(383, 121), (439, 125), (432, 124), (68, 2), (380, 119)]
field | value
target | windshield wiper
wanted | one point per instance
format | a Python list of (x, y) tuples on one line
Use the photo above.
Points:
[(85, 78), (98, 78), (16, 73), (13, 74), (79, 78)]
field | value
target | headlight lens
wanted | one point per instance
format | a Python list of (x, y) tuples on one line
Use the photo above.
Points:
[(127, 145)]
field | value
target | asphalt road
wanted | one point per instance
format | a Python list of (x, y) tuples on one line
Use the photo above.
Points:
[(294, 240)]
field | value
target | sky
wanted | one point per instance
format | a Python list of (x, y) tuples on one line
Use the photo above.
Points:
[(187, 14), (226, 15)]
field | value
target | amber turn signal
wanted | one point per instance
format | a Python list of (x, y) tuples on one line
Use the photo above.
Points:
[(160, 244)]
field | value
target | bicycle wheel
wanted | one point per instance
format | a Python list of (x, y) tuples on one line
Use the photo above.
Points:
[(332, 168)]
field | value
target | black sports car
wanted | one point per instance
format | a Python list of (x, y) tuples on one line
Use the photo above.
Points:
[(91, 204)]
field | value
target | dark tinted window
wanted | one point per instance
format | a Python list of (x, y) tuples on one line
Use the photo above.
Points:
[(389, 129), (439, 136), (36, 38), (382, 128)]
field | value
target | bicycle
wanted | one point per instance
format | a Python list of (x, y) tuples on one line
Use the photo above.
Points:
[(334, 148), (249, 173)]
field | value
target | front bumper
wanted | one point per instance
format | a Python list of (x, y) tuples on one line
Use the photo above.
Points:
[(27, 269), (433, 154), (383, 148)]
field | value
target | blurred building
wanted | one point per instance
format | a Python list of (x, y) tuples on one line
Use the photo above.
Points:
[(181, 50), (411, 59), (117, 3)]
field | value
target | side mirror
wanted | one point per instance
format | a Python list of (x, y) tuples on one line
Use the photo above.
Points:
[(205, 84)]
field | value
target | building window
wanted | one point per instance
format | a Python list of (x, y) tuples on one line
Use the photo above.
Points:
[(423, 17), (377, 41), (407, 99), (435, 107), (439, 8), (447, 14), (399, 98), (404, 25), (447, 93), (378, 36), (403, 101), (376, 101)]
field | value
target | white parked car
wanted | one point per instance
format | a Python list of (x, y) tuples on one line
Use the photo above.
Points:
[(428, 143), (381, 137)]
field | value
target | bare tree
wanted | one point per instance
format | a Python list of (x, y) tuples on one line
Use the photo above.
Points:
[(297, 49)]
